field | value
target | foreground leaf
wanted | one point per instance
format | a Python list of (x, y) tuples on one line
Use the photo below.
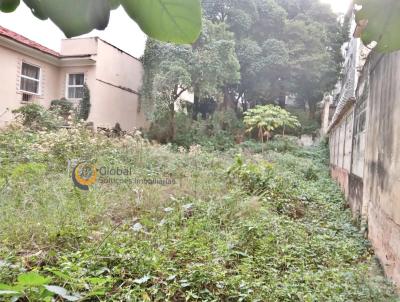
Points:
[(32, 279), (73, 17), (383, 23), (176, 21), (8, 6)]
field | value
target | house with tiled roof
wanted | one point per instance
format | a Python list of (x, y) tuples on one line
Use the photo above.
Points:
[(31, 72)]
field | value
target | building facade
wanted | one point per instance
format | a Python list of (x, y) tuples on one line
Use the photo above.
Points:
[(31, 72), (365, 148)]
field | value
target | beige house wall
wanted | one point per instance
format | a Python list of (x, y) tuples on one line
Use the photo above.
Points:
[(113, 77), (110, 101), (10, 72), (118, 80), (79, 46)]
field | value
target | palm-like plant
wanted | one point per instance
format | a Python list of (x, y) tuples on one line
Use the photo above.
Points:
[(267, 119)]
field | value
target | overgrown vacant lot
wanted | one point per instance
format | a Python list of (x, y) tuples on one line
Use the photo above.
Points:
[(236, 226)]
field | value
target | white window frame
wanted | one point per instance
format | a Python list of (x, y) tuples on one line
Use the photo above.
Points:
[(73, 86), (29, 78)]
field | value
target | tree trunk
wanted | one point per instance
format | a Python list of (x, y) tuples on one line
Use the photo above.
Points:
[(230, 101), (313, 109), (282, 101), (196, 103), (172, 126)]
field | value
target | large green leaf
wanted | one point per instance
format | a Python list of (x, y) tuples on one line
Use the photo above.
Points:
[(73, 17), (32, 279), (383, 25), (9, 6), (176, 21)]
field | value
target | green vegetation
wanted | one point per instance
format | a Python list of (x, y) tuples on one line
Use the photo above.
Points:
[(379, 22), (168, 20), (36, 117), (63, 107), (268, 118), (84, 104), (249, 53), (236, 226), (173, 70)]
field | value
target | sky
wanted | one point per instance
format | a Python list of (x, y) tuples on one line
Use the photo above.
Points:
[(121, 31), (339, 6)]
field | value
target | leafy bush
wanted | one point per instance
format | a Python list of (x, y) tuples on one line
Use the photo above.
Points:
[(62, 107), (216, 133), (36, 117), (266, 119), (309, 126)]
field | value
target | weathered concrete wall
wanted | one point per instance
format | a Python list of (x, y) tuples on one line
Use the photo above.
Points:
[(341, 149), (371, 178), (342, 178), (382, 162), (356, 194)]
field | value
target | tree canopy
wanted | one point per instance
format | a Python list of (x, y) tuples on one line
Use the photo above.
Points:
[(203, 69), (271, 49)]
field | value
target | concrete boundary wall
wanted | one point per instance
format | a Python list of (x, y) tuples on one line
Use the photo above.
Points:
[(366, 161)]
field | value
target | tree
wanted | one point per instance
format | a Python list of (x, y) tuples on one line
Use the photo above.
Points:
[(284, 47), (168, 20), (84, 104), (267, 119), (202, 69), (314, 39)]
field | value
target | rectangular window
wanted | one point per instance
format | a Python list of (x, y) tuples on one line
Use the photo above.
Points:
[(75, 85), (30, 78)]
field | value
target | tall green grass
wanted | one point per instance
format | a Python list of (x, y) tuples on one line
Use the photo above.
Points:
[(236, 226)]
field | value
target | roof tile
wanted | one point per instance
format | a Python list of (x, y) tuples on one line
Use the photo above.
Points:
[(23, 40)]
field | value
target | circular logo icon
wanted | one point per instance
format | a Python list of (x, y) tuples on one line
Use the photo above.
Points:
[(84, 175)]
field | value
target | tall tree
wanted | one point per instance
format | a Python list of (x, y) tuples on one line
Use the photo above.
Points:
[(314, 37), (202, 69), (284, 47)]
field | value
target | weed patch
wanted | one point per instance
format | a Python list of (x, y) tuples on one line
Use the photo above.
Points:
[(236, 226)]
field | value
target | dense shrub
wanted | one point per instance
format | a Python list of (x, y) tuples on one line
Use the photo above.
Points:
[(36, 117), (63, 107), (309, 126), (215, 133)]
